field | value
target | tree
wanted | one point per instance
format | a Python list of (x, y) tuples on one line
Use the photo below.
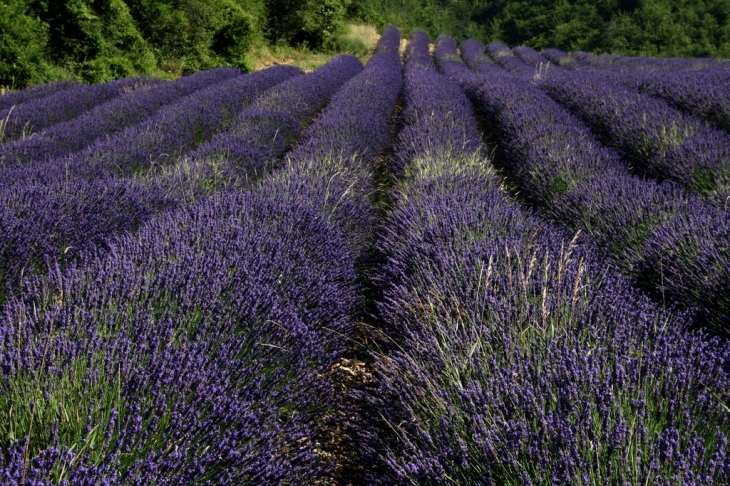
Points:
[(312, 23)]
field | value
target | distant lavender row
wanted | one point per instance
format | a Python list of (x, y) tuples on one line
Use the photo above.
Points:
[(618, 63), (518, 359), (178, 128), (502, 55), (531, 57), (189, 354), (705, 94), (53, 213), (65, 104), (454, 135), (673, 244), (334, 165), (655, 139), (17, 97), (472, 52), (389, 40), (256, 139), (107, 118)]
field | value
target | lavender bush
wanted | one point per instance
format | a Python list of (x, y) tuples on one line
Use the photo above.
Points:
[(41, 224), (530, 57), (560, 166), (333, 167), (440, 126), (502, 55), (189, 354), (517, 358), (558, 57), (655, 139)]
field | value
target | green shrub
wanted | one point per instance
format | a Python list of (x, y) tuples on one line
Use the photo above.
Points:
[(23, 47), (200, 33), (312, 23)]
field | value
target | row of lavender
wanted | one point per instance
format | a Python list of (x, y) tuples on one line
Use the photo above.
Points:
[(516, 356), (191, 351), (27, 112), (654, 138), (57, 207), (704, 93), (673, 243)]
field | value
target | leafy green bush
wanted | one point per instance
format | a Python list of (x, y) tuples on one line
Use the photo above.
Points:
[(312, 23), (23, 56), (685, 28), (202, 33)]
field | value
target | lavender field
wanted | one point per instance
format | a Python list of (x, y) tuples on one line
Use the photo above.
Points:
[(455, 264)]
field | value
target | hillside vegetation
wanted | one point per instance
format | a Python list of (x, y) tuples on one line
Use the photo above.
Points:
[(100, 40), (660, 28)]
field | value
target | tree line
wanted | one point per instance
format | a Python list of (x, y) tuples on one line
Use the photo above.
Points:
[(100, 40), (663, 28)]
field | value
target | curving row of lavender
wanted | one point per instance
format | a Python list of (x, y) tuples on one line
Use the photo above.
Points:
[(50, 214), (503, 55), (672, 243), (67, 102), (517, 357), (334, 165), (655, 139), (617, 63), (705, 94), (105, 119)]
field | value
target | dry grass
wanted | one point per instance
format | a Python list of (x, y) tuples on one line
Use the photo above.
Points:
[(366, 33), (266, 56)]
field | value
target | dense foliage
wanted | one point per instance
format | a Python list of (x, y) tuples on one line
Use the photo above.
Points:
[(101, 40), (647, 27)]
